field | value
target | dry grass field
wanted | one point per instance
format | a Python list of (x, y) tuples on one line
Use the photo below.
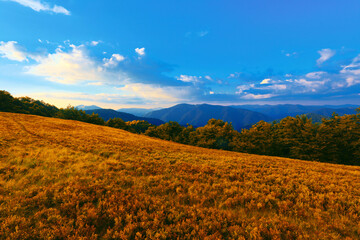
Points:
[(62, 179)]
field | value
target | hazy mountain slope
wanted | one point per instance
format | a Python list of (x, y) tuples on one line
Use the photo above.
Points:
[(62, 179), (198, 115), (106, 114), (141, 112), (91, 107), (280, 111), (327, 112), (284, 110)]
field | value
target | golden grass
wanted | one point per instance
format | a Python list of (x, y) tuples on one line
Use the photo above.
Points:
[(62, 179)]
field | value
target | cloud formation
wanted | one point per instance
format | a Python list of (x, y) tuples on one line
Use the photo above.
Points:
[(140, 51), (74, 66), (266, 81), (113, 61), (38, 6), (258, 96), (190, 79), (325, 54), (12, 51), (143, 81)]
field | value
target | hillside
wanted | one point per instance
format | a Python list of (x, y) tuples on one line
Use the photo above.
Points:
[(198, 115), (63, 179), (106, 114)]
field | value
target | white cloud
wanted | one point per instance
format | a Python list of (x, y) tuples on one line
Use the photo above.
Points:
[(290, 54), (94, 43), (64, 99), (277, 87), (310, 86), (140, 51), (265, 81), (242, 88), (353, 68), (325, 54), (38, 6), (70, 67), (113, 61), (168, 94), (95, 84), (315, 75), (187, 78), (11, 51), (352, 81), (234, 75), (258, 96)]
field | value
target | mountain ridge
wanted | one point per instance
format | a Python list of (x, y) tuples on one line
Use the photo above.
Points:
[(106, 114), (198, 115)]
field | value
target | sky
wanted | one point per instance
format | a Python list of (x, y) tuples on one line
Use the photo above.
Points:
[(141, 53)]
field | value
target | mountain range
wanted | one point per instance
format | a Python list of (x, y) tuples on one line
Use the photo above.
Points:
[(284, 110), (84, 107), (106, 114), (140, 112), (241, 116), (198, 115)]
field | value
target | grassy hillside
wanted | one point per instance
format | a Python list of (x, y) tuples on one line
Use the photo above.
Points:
[(66, 179)]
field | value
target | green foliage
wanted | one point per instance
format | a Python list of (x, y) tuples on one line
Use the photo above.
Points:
[(117, 123), (335, 140), (138, 126), (79, 115), (215, 134), (170, 131), (25, 105)]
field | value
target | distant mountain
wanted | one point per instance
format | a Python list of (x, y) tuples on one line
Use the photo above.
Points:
[(141, 112), (198, 115), (280, 111), (327, 112), (284, 110), (83, 107), (106, 114), (341, 106)]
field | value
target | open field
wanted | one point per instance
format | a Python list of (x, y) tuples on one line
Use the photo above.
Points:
[(67, 179)]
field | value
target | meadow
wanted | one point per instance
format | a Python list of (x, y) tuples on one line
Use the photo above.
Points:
[(64, 179)]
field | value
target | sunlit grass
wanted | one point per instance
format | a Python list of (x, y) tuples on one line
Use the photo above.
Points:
[(66, 179)]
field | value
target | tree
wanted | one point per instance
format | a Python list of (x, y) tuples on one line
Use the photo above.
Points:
[(117, 123), (138, 126), (170, 131), (215, 134)]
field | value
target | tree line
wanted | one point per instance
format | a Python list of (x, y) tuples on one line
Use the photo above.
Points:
[(334, 140), (28, 105)]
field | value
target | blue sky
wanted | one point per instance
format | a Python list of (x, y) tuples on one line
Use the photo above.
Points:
[(132, 53)]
